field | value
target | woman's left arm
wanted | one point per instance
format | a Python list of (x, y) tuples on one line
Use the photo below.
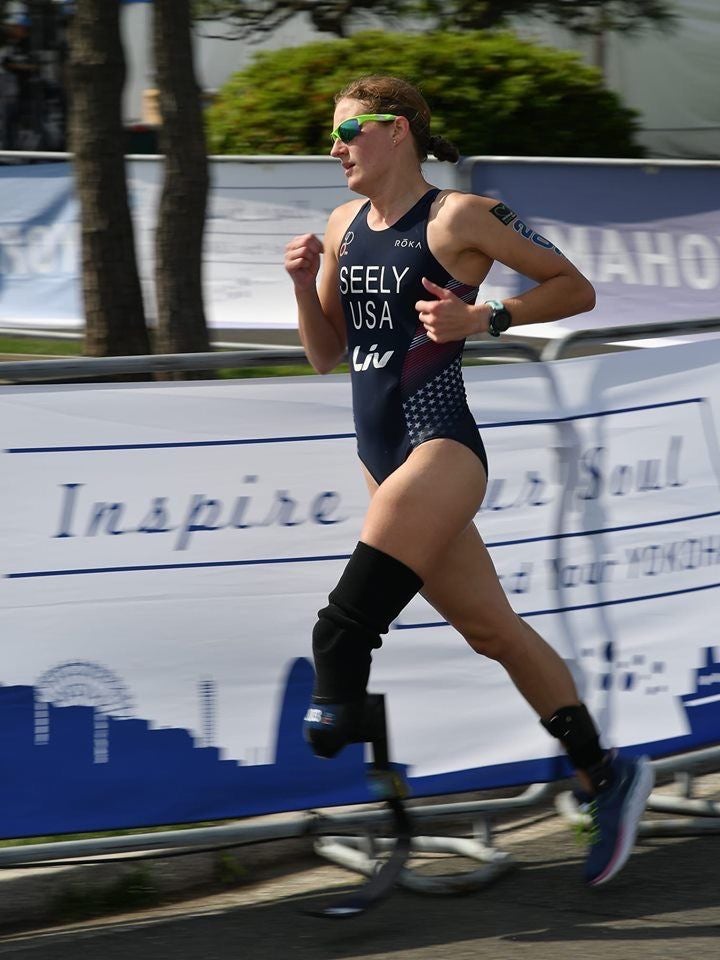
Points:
[(492, 230)]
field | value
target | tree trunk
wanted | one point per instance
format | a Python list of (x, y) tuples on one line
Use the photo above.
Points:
[(600, 53), (114, 314), (181, 220)]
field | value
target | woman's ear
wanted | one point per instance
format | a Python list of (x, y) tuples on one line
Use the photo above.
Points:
[(401, 128)]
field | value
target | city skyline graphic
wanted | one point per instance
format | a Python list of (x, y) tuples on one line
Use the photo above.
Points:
[(76, 768)]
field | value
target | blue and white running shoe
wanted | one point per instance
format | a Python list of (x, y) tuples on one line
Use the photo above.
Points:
[(615, 814)]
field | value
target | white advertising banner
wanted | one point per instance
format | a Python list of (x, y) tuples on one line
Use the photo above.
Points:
[(255, 206), (167, 546)]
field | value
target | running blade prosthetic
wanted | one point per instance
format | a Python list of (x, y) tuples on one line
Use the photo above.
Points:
[(390, 786), (379, 886)]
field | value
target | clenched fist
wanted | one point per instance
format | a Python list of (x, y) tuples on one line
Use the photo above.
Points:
[(302, 260), (448, 317)]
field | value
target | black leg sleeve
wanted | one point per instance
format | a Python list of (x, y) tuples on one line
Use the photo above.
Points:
[(372, 591)]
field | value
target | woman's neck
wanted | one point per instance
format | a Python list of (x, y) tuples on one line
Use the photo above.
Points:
[(391, 201)]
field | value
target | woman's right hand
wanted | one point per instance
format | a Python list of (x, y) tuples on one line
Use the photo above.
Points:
[(302, 260)]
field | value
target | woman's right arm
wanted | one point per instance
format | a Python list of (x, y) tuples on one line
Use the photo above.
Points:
[(321, 322)]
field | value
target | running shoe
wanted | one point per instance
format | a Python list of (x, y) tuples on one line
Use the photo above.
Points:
[(614, 817)]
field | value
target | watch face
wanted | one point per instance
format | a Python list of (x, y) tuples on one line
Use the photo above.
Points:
[(500, 320)]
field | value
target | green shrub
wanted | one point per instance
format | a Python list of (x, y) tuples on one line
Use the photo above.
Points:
[(491, 93)]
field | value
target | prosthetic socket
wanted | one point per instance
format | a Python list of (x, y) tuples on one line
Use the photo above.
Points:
[(372, 591)]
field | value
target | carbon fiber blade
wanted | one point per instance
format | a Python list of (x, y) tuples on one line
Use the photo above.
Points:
[(380, 885)]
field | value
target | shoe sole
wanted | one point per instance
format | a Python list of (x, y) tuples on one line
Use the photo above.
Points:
[(634, 806)]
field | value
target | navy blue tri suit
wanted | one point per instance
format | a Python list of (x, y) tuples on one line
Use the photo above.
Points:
[(406, 388)]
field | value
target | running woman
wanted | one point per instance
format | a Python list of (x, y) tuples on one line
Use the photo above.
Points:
[(401, 272)]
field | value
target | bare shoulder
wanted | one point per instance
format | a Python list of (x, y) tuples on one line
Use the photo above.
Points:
[(339, 220), (488, 225), (455, 207), (346, 211)]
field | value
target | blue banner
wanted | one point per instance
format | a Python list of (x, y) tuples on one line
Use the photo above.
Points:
[(645, 233)]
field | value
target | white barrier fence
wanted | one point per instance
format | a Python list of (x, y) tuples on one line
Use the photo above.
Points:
[(167, 547), (647, 240)]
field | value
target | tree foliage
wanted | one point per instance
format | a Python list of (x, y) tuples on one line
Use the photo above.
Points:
[(489, 93), (579, 16), (258, 17)]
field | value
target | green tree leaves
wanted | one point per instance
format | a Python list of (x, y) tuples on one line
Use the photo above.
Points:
[(490, 93)]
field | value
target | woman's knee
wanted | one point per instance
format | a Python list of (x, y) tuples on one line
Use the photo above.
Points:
[(498, 641)]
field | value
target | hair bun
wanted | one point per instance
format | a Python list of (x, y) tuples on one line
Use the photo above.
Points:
[(443, 149)]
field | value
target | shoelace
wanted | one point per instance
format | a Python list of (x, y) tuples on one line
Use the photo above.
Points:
[(587, 830)]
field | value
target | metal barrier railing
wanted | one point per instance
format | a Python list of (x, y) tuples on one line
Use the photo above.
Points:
[(80, 368), (306, 824), (86, 368), (556, 349), (76, 368)]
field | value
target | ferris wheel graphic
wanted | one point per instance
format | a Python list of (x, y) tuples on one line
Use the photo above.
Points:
[(82, 683)]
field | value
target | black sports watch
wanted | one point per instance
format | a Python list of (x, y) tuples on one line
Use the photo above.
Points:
[(500, 318)]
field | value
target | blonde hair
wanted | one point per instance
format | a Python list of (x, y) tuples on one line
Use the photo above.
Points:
[(384, 94)]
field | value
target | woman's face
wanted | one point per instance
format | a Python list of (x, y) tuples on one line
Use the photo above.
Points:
[(368, 154)]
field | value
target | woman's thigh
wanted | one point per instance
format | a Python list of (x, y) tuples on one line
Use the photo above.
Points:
[(421, 508), (464, 588)]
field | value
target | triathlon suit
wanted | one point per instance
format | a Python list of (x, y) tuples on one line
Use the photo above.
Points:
[(406, 388)]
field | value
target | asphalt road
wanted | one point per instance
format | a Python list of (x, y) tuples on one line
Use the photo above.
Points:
[(664, 905)]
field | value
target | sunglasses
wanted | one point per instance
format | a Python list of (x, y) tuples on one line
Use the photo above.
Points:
[(350, 128)]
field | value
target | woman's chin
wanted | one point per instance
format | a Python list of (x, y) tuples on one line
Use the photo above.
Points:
[(354, 180)]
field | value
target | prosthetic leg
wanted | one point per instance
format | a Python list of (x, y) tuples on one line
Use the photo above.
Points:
[(387, 784), (371, 592)]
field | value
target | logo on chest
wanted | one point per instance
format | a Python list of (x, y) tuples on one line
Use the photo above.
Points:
[(374, 358), (347, 240), (411, 244)]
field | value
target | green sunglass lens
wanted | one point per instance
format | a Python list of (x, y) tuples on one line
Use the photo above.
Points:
[(348, 130)]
